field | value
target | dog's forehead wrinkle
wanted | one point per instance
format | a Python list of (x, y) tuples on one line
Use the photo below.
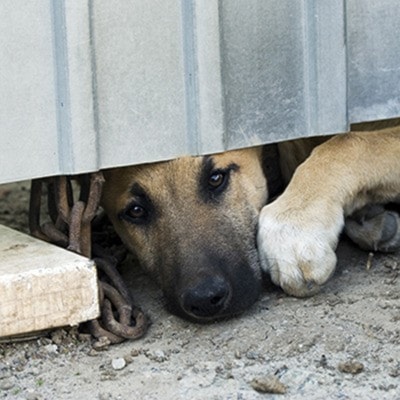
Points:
[(138, 190), (176, 203), (180, 181), (179, 178), (220, 161)]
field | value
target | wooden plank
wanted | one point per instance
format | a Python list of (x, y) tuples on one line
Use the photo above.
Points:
[(43, 286)]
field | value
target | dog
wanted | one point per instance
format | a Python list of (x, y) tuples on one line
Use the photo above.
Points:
[(206, 229)]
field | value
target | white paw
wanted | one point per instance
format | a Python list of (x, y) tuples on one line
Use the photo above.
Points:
[(297, 246)]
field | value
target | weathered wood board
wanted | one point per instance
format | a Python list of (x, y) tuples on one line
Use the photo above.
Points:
[(43, 286)]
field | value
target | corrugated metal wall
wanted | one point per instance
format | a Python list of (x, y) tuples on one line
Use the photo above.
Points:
[(88, 84)]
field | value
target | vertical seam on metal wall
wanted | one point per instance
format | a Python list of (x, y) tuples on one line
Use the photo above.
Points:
[(93, 61), (63, 109), (221, 44), (191, 71), (346, 54), (310, 63)]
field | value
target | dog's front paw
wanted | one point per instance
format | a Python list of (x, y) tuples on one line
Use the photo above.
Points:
[(297, 246)]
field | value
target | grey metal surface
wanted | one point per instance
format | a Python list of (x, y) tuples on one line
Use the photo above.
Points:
[(283, 68), (89, 84), (140, 80), (373, 59), (28, 123), (46, 111)]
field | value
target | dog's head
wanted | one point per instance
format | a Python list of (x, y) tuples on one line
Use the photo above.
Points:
[(192, 224)]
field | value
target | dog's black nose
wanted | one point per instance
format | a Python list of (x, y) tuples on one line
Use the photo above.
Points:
[(207, 299)]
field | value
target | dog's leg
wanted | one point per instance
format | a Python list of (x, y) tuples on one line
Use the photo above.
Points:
[(374, 228), (298, 233)]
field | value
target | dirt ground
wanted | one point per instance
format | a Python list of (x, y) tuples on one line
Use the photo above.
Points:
[(343, 343)]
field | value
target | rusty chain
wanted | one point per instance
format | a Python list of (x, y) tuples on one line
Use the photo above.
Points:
[(73, 225)]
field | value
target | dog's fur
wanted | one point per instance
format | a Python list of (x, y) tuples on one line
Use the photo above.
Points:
[(192, 221)]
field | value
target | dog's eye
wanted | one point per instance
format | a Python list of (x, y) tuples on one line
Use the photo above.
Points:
[(135, 213), (216, 179)]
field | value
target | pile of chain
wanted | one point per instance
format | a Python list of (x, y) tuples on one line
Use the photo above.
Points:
[(74, 215)]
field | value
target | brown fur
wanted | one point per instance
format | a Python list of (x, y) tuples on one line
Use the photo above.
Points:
[(199, 242), (185, 242)]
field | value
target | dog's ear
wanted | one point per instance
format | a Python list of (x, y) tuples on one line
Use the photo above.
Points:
[(272, 170)]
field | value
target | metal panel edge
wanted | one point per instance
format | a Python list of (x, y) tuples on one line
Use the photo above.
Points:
[(77, 139), (325, 58), (211, 122)]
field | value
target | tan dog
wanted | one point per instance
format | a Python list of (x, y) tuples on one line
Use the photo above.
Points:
[(192, 221)]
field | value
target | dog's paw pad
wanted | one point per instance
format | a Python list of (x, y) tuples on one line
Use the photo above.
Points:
[(374, 228)]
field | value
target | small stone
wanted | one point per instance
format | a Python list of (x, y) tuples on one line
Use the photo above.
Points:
[(252, 355), (93, 353), (323, 362), (32, 396), (34, 371), (108, 376), (5, 375), (135, 352), (51, 348), (128, 359), (118, 363), (219, 369), (157, 355), (268, 384), (84, 337), (101, 344), (45, 341), (58, 336), (395, 372), (238, 355), (105, 396), (351, 367), (391, 264), (6, 384)]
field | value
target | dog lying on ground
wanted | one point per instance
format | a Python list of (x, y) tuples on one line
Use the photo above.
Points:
[(201, 227)]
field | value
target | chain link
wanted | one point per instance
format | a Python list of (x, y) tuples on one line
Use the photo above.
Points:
[(73, 208)]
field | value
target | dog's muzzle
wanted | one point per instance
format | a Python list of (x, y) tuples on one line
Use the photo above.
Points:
[(207, 299)]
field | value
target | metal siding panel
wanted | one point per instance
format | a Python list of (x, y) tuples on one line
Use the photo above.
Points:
[(77, 77), (283, 67), (330, 67), (46, 108), (374, 59), (140, 93), (28, 142), (92, 84), (262, 70), (201, 53)]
